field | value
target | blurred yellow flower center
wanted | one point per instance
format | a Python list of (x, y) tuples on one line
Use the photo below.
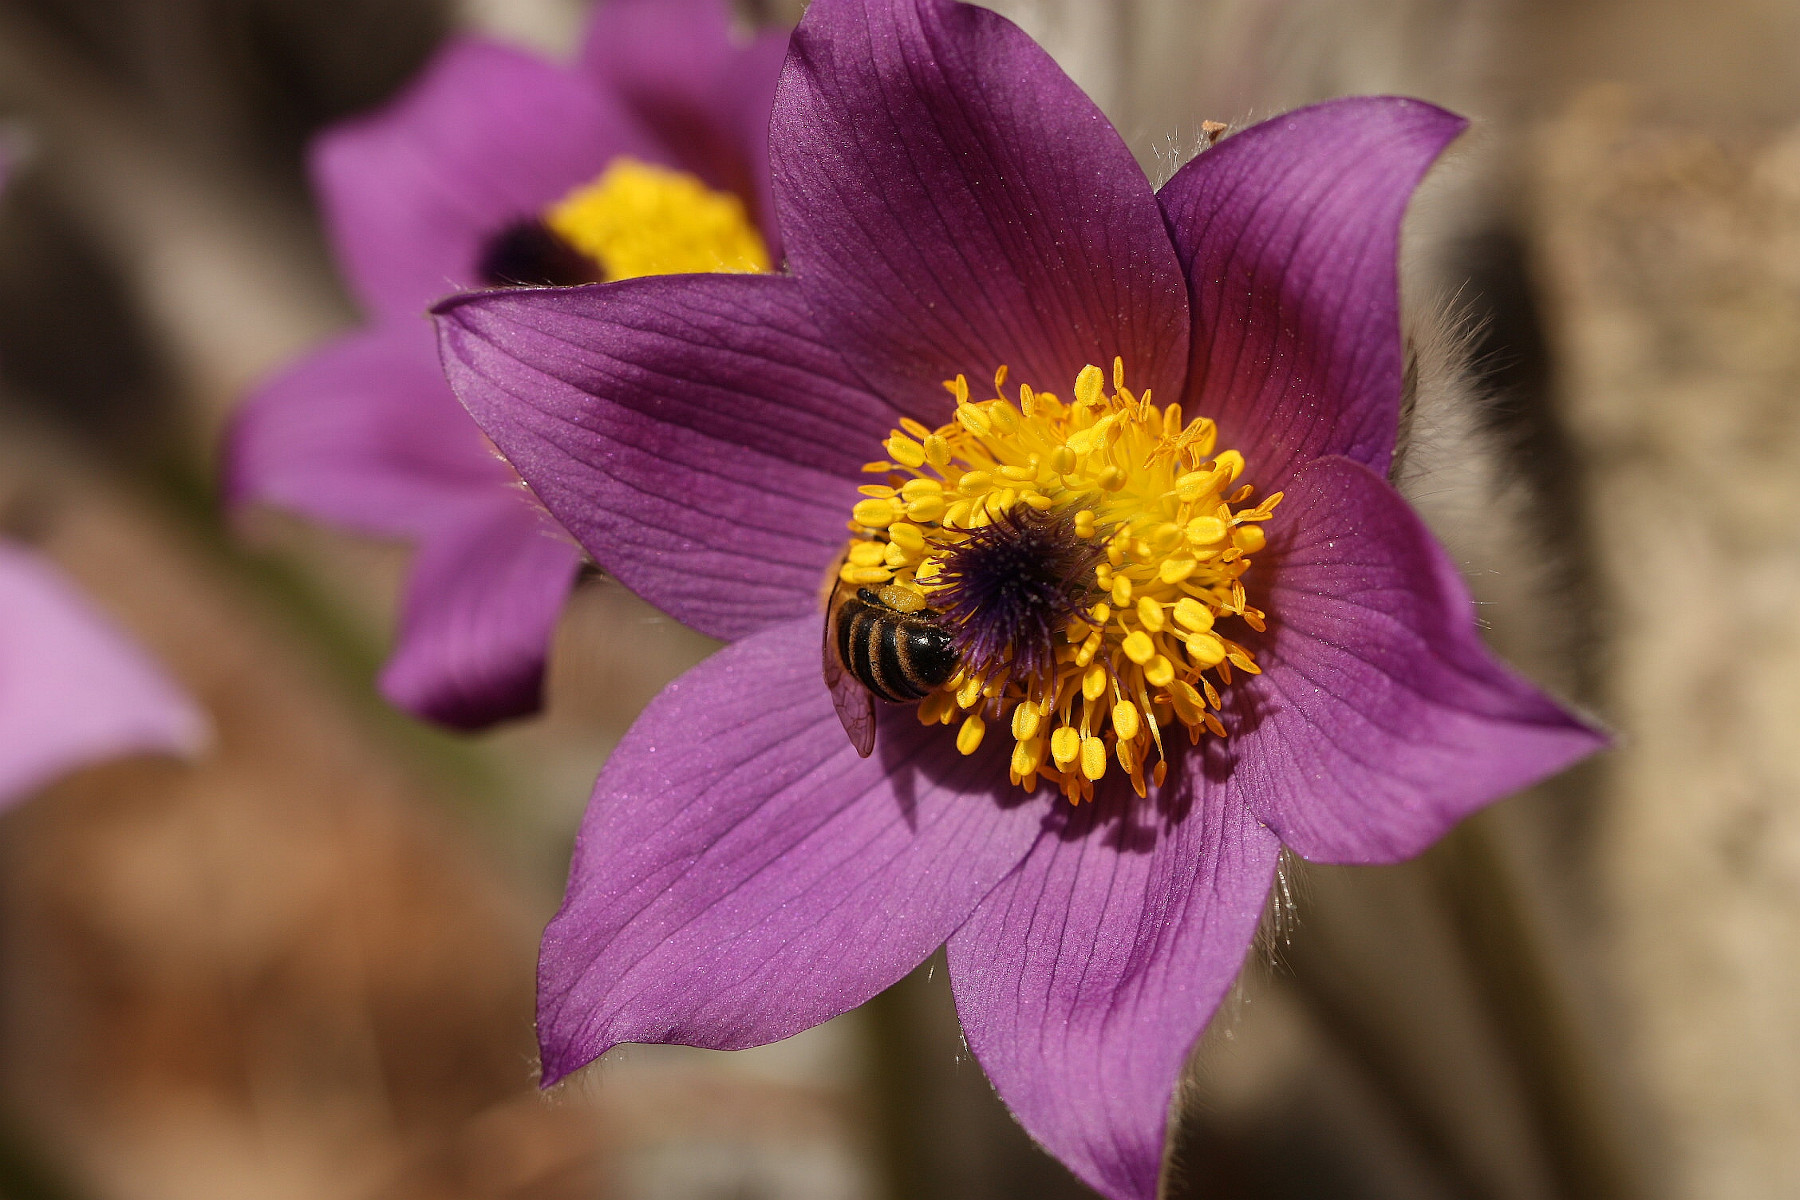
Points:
[(638, 219), (1164, 533)]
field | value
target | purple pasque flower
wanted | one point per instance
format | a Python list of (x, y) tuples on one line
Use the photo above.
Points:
[(1228, 674), (73, 689), (498, 167)]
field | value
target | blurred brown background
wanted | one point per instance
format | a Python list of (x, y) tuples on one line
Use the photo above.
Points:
[(301, 967)]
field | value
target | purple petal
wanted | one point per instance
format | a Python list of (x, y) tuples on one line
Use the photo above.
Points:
[(1380, 719), (952, 202), (363, 433), (742, 874), (697, 85), (73, 689), (1290, 236), (1085, 977), (481, 605), (693, 432), (487, 136)]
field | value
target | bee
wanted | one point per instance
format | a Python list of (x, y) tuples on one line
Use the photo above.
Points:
[(881, 642)]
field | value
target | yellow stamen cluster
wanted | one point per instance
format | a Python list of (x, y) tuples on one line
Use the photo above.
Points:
[(637, 219), (1177, 533)]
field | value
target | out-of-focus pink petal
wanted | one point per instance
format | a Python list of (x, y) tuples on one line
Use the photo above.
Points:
[(73, 689), (487, 136), (481, 605), (364, 433)]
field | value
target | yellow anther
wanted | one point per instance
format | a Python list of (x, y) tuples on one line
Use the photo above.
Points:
[(1089, 385), (1249, 538), (907, 536), (1138, 647), (1093, 683), (877, 468), (968, 694), (1201, 435), (1186, 701), (1207, 531), (1084, 523), (1191, 614), (1193, 485), (1018, 474), (968, 738), (865, 574), (973, 483), (1025, 721), (1062, 460), (1121, 590), (867, 554), (917, 488), (1090, 646), (1093, 758), (1039, 501), (1118, 373), (1002, 418), (1150, 614), (1027, 756), (905, 451), (1111, 479), (1065, 746), (1125, 719), (1176, 570), (973, 419), (1206, 650), (1159, 672), (1233, 464), (937, 451), (1165, 537), (926, 510), (874, 513), (1101, 612), (1242, 661)]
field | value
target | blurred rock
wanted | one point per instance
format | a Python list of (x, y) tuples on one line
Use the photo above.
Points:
[(1671, 259)]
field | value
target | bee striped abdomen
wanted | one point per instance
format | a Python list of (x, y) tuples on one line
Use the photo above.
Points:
[(900, 657)]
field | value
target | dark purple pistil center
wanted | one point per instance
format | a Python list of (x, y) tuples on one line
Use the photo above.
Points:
[(1011, 587), (528, 253)]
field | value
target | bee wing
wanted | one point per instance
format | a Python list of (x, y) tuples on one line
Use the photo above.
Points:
[(855, 707)]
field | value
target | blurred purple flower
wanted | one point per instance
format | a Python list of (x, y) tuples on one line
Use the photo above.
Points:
[(951, 203), (497, 167), (73, 689)]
